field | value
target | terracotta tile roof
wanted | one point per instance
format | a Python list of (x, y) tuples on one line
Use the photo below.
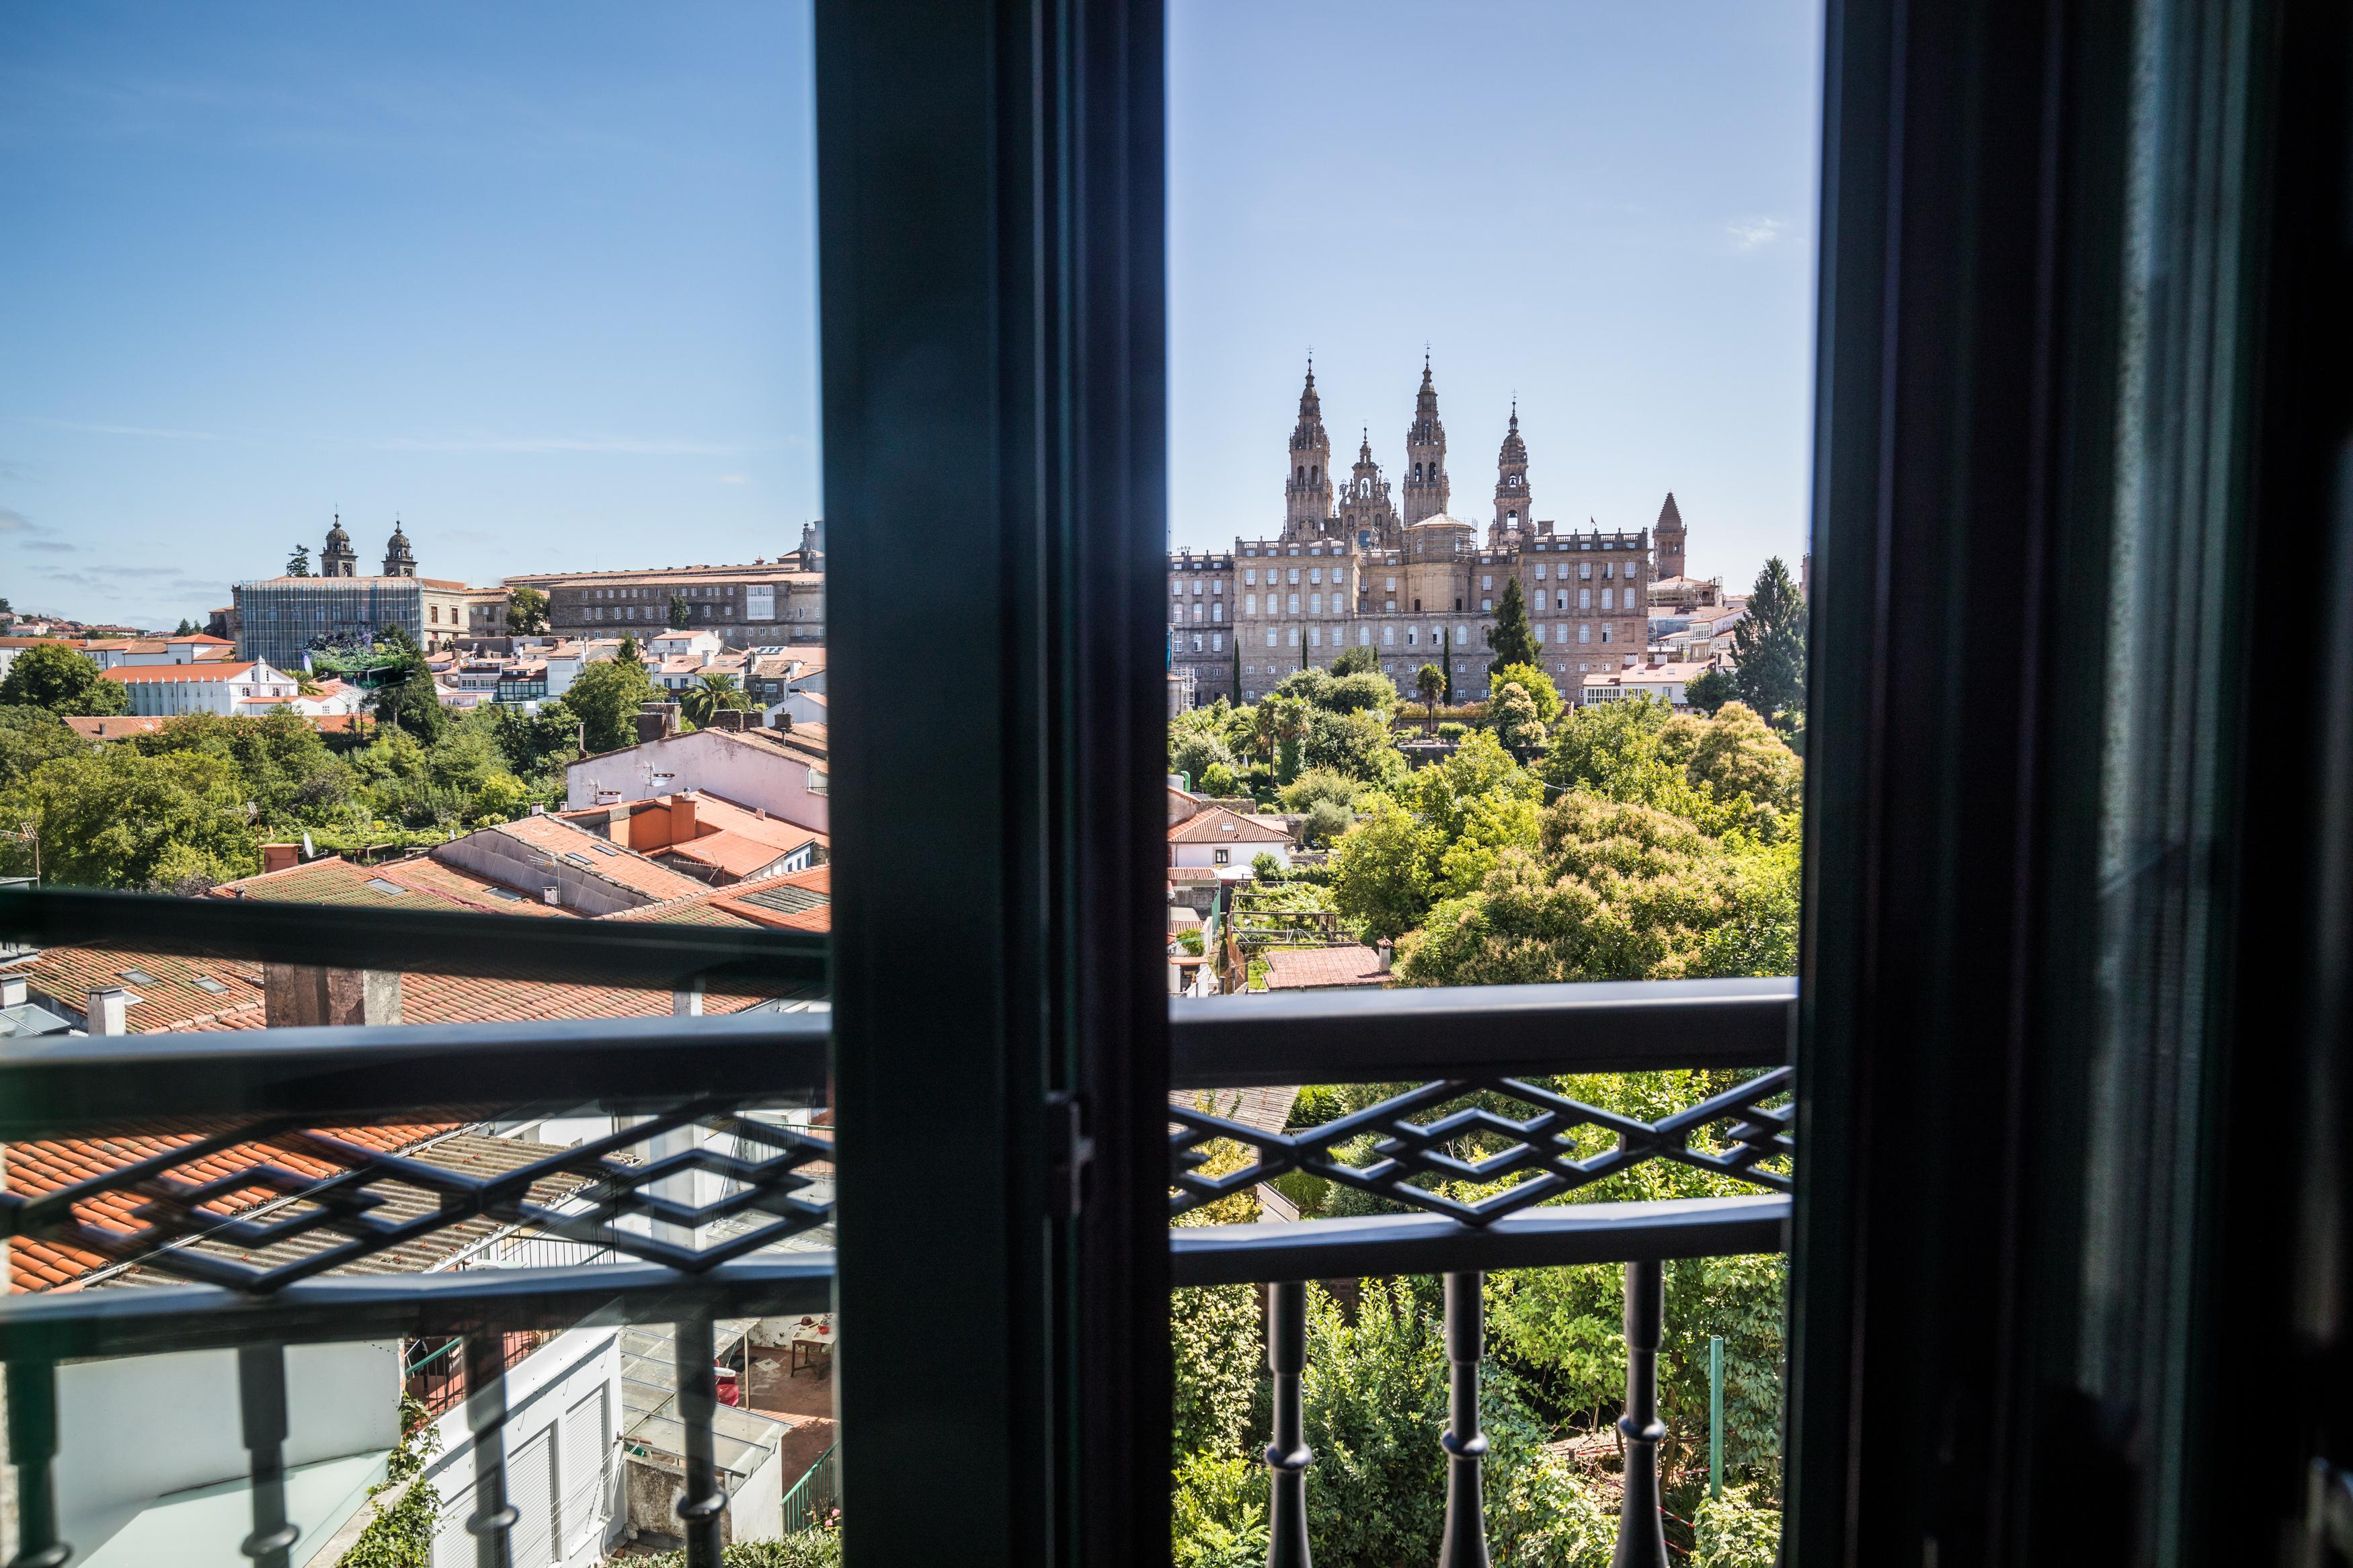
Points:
[(206, 638), (174, 993), (114, 726), (209, 670), (589, 852), (1322, 968), (35, 1169), (335, 880), (735, 853), (790, 901), (1216, 825)]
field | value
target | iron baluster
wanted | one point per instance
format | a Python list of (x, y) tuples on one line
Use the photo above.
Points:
[(1288, 1456), (486, 1418), (1464, 1544), (1641, 1531), (705, 1498), (261, 1412), (33, 1448)]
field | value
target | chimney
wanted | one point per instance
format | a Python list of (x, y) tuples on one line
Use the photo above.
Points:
[(109, 1011), (784, 722), (1387, 953), (12, 990), (298, 995), (649, 726), (687, 1003), (551, 894), (683, 822), (280, 858)]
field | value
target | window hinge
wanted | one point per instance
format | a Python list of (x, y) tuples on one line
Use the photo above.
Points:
[(1069, 1150)]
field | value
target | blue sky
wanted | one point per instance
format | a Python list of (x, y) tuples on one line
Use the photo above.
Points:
[(1607, 207), (540, 280)]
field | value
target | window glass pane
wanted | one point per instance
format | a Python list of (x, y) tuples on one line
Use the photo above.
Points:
[(408, 504), (1481, 401)]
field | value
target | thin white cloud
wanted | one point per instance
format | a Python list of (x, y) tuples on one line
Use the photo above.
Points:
[(731, 479), (624, 445), (1756, 233), (14, 522)]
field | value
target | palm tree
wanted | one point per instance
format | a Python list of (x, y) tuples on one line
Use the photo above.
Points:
[(716, 692), (1428, 685)]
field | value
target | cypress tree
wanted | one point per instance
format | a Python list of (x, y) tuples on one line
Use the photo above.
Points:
[(1770, 645), (1510, 637)]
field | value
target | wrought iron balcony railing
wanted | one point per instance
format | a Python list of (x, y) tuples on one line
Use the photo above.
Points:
[(707, 1220)]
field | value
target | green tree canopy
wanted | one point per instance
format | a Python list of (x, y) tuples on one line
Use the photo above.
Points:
[(30, 736), (1514, 716), (1709, 690), (1616, 892), (1380, 870), (1357, 661), (1736, 754), (628, 652), (186, 628), (679, 615), (1510, 637), (604, 697), (64, 680), (116, 817), (527, 612), (1532, 680), (297, 564), (1768, 645), (407, 696)]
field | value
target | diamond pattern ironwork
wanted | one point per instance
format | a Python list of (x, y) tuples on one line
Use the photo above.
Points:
[(585, 1193), (1540, 1149)]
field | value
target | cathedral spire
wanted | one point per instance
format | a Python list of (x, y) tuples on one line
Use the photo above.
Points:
[(1307, 493), (1513, 518), (1667, 539), (1425, 453)]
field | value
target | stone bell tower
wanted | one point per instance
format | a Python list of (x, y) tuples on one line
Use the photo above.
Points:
[(338, 559), (1667, 537), (1514, 518), (399, 560), (1425, 455), (1307, 493)]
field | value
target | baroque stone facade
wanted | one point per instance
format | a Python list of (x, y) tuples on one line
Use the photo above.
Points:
[(1351, 568)]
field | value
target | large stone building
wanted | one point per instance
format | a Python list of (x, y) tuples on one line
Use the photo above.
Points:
[(762, 605), (1352, 568), (277, 619)]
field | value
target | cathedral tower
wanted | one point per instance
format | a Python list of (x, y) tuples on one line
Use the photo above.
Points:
[(398, 562), (1668, 536), (337, 560), (1307, 494), (1425, 455), (1368, 517), (1514, 520)]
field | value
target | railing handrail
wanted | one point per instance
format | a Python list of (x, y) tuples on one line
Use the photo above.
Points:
[(447, 1072), (1377, 1246), (1377, 1035)]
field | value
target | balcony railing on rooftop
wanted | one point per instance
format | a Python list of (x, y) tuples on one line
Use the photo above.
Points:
[(691, 1260)]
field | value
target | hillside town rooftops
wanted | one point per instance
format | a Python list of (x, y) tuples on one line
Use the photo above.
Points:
[(1216, 825)]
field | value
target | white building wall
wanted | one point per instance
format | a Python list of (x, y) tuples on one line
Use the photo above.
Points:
[(561, 1439), (747, 774), (1204, 855), (135, 1430)]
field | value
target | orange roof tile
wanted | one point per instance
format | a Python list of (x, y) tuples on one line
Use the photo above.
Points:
[(1216, 825), (590, 852), (1321, 968), (789, 900)]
